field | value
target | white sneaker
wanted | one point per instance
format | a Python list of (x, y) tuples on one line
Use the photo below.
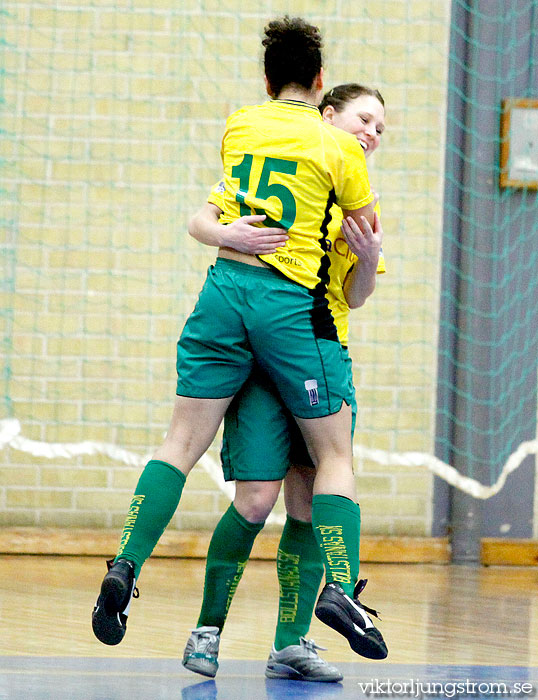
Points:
[(202, 650), (300, 662)]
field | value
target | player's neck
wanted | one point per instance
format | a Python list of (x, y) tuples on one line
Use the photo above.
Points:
[(292, 93)]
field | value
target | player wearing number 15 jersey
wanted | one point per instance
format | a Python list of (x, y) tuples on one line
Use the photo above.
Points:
[(282, 159), (261, 440)]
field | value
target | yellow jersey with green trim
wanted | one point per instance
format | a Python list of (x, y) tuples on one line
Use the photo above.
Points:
[(341, 262), (282, 160)]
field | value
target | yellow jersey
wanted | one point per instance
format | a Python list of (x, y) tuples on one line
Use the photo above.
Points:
[(282, 160), (340, 257), (341, 262)]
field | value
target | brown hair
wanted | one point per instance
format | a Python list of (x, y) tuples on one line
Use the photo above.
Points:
[(341, 95)]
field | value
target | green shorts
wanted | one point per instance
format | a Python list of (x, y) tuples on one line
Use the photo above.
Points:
[(261, 439), (248, 314)]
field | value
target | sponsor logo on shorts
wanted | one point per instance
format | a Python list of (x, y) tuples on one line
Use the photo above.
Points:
[(311, 385)]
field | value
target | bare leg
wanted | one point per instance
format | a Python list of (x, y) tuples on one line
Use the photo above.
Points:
[(157, 494), (193, 426), (329, 442), (298, 489), (255, 499)]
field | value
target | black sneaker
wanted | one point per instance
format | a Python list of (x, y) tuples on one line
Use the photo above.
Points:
[(109, 617), (349, 618)]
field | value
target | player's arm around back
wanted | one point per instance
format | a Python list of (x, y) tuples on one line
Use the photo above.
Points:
[(365, 242), (357, 214), (244, 235), (205, 227)]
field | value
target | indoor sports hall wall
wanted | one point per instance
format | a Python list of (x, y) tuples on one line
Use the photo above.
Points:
[(113, 114)]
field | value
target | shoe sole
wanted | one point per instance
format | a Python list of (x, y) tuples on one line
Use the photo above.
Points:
[(290, 674), (106, 624), (333, 614), (191, 666)]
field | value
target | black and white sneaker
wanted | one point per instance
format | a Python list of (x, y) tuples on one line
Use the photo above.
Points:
[(349, 617), (109, 617)]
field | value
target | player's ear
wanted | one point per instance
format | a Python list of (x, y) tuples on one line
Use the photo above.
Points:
[(317, 85), (328, 114), (319, 79), (268, 88)]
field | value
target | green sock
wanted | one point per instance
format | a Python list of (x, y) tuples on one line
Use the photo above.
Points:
[(337, 522), (227, 557), (154, 503), (300, 570)]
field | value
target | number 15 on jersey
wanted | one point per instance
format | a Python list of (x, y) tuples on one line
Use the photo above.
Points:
[(264, 190)]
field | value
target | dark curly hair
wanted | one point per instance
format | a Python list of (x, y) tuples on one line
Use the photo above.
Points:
[(341, 95), (292, 53)]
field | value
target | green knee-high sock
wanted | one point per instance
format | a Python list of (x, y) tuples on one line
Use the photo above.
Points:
[(300, 569), (154, 503), (336, 521), (227, 557)]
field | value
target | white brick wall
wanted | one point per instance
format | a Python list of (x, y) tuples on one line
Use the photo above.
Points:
[(115, 113)]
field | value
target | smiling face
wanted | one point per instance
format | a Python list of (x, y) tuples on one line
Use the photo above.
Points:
[(364, 117)]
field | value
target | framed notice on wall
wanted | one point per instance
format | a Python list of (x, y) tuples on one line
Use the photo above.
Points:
[(519, 143)]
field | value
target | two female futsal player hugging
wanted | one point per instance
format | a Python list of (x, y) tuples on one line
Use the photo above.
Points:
[(271, 312)]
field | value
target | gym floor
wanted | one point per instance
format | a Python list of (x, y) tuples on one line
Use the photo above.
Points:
[(452, 631)]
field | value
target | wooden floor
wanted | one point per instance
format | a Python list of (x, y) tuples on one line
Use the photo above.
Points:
[(433, 616)]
